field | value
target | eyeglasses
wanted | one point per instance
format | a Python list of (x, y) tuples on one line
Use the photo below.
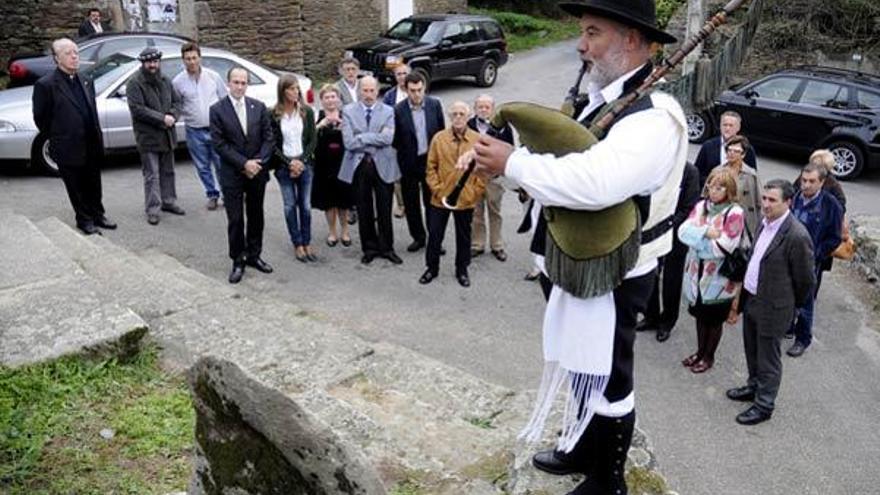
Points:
[(734, 150)]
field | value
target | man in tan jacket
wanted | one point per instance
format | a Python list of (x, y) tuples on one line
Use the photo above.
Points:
[(441, 175)]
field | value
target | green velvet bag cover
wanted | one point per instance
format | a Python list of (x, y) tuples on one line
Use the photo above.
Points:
[(588, 252)]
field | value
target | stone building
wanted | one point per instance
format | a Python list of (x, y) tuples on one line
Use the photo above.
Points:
[(302, 35)]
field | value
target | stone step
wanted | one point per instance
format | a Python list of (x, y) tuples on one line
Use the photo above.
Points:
[(166, 263), (28, 256), (130, 280), (66, 315)]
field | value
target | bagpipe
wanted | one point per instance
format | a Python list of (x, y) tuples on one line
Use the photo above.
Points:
[(588, 252)]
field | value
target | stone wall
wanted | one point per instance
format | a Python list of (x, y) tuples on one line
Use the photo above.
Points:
[(265, 30), (301, 35)]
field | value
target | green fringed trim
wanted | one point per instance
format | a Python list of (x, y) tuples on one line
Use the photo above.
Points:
[(595, 276)]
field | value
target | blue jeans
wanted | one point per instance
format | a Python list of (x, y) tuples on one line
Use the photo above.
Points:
[(802, 326), (198, 142), (296, 195)]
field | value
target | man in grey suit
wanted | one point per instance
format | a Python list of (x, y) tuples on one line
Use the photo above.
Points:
[(778, 279), (370, 164)]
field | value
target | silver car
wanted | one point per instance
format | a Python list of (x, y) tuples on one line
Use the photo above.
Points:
[(19, 139)]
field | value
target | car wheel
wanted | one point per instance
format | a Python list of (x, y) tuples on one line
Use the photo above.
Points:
[(425, 75), (40, 160), (849, 160), (697, 127), (488, 74)]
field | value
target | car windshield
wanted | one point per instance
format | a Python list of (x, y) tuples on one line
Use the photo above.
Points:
[(416, 30), (108, 70)]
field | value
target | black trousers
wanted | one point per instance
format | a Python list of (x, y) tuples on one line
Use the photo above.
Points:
[(413, 185), (665, 302), (243, 199), (438, 218), (373, 198), (83, 185)]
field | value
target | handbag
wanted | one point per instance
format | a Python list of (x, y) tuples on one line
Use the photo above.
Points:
[(846, 250), (735, 262)]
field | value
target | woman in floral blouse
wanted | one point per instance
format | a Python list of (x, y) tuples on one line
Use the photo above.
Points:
[(714, 224)]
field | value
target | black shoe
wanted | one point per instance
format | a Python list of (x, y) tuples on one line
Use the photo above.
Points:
[(789, 334), (88, 228), (531, 276), (752, 416), (427, 277), (174, 209), (367, 258), (476, 252), (260, 265), (463, 279), (442, 251), (236, 274), (153, 219), (742, 394), (415, 246), (393, 257), (796, 350), (663, 334), (551, 462), (105, 223), (311, 257), (352, 217), (499, 254)]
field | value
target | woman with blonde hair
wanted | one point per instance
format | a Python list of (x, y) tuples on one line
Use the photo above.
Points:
[(713, 228), (293, 124), (331, 195)]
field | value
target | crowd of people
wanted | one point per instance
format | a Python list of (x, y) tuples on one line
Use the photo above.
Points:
[(712, 233), (345, 160)]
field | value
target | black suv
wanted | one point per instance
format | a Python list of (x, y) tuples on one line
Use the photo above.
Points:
[(809, 107), (437, 47)]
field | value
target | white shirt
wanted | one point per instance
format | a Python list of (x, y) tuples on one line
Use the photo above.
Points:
[(635, 158), (198, 92), (291, 132), (97, 27), (352, 90), (242, 116), (399, 95)]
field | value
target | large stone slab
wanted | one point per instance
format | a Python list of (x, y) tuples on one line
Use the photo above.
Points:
[(28, 256), (68, 315), (251, 439)]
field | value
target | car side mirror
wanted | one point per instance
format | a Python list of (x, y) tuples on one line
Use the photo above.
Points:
[(751, 94), (120, 92)]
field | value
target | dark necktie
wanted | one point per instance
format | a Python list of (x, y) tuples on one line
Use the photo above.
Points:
[(369, 116)]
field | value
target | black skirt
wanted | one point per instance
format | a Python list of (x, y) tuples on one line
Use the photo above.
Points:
[(713, 314), (327, 190)]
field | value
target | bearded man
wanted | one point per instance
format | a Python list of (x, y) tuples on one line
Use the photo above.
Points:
[(155, 108), (588, 341)]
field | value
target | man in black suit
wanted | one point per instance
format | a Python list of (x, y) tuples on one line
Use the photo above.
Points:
[(712, 153), (665, 301), (64, 111), (92, 24), (242, 135), (779, 279), (416, 120)]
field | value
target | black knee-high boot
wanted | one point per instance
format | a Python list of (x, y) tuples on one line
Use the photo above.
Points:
[(606, 452)]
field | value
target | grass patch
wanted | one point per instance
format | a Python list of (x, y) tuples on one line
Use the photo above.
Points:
[(51, 416), (524, 32)]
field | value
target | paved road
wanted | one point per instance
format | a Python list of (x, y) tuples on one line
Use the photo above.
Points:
[(823, 439)]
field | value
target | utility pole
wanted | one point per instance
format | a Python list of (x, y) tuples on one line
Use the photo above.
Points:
[(696, 17)]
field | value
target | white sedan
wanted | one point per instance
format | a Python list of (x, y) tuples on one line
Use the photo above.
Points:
[(20, 140)]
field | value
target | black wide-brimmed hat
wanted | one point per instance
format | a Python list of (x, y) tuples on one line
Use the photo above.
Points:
[(641, 14), (150, 53)]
